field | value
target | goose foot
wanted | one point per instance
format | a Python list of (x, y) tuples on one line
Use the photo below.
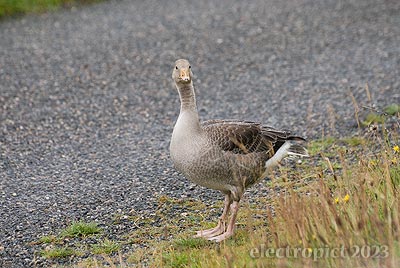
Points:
[(221, 226), (209, 233), (231, 227), (221, 237)]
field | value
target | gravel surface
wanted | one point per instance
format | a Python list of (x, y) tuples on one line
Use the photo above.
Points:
[(87, 103)]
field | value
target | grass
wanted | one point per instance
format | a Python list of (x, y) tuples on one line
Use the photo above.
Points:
[(53, 245), (17, 7), (105, 247), (340, 208), (80, 229), (47, 239), (373, 118), (392, 109), (320, 145), (376, 116), (58, 252)]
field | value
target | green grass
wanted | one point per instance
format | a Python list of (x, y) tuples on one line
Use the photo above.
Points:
[(380, 116), (373, 118), (392, 109), (15, 7), (106, 247), (47, 239), (354, 141), (190, 242), (318, 146), (58, 252), (80, 229)]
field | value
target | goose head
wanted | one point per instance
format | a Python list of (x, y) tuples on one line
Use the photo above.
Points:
[(182, 73)]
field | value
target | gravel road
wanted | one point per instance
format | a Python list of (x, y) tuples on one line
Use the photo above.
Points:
[(87, 103)]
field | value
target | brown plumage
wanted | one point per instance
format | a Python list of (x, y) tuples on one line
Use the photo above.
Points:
[(243, 137), (225, 155)]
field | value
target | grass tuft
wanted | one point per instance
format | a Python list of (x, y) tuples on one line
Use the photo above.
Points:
[(47, 239), (355, 141), (392, 109), (58, 252), (373, 118), (106, 247), (318, 146), (190, 242), (80, 229)]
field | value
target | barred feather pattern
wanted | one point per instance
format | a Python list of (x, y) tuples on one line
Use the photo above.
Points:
[(244, 137)]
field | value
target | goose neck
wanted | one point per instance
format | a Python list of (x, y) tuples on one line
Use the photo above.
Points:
[(187, 97)]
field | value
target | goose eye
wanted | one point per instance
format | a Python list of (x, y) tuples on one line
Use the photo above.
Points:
[(190, 67), (176, 67)]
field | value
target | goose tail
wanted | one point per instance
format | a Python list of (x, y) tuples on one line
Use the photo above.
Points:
[(297, 150), (287, 149)]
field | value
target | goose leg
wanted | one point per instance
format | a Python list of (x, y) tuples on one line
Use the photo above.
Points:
[(231, 227), (220, 228)]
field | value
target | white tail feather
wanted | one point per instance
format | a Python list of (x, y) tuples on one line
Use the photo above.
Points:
[(286, 149)]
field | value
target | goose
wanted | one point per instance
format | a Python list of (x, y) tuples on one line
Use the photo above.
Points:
[(225, 155)]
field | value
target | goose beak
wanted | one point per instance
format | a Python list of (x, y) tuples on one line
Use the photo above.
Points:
[(184, 75)]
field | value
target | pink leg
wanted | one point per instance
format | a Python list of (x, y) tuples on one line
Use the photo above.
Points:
[(220, 228), (231, 227)]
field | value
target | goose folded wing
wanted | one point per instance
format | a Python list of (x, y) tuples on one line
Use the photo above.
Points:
[(243, 137)]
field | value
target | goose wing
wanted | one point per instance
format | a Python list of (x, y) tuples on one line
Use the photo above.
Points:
[(243, 137)]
